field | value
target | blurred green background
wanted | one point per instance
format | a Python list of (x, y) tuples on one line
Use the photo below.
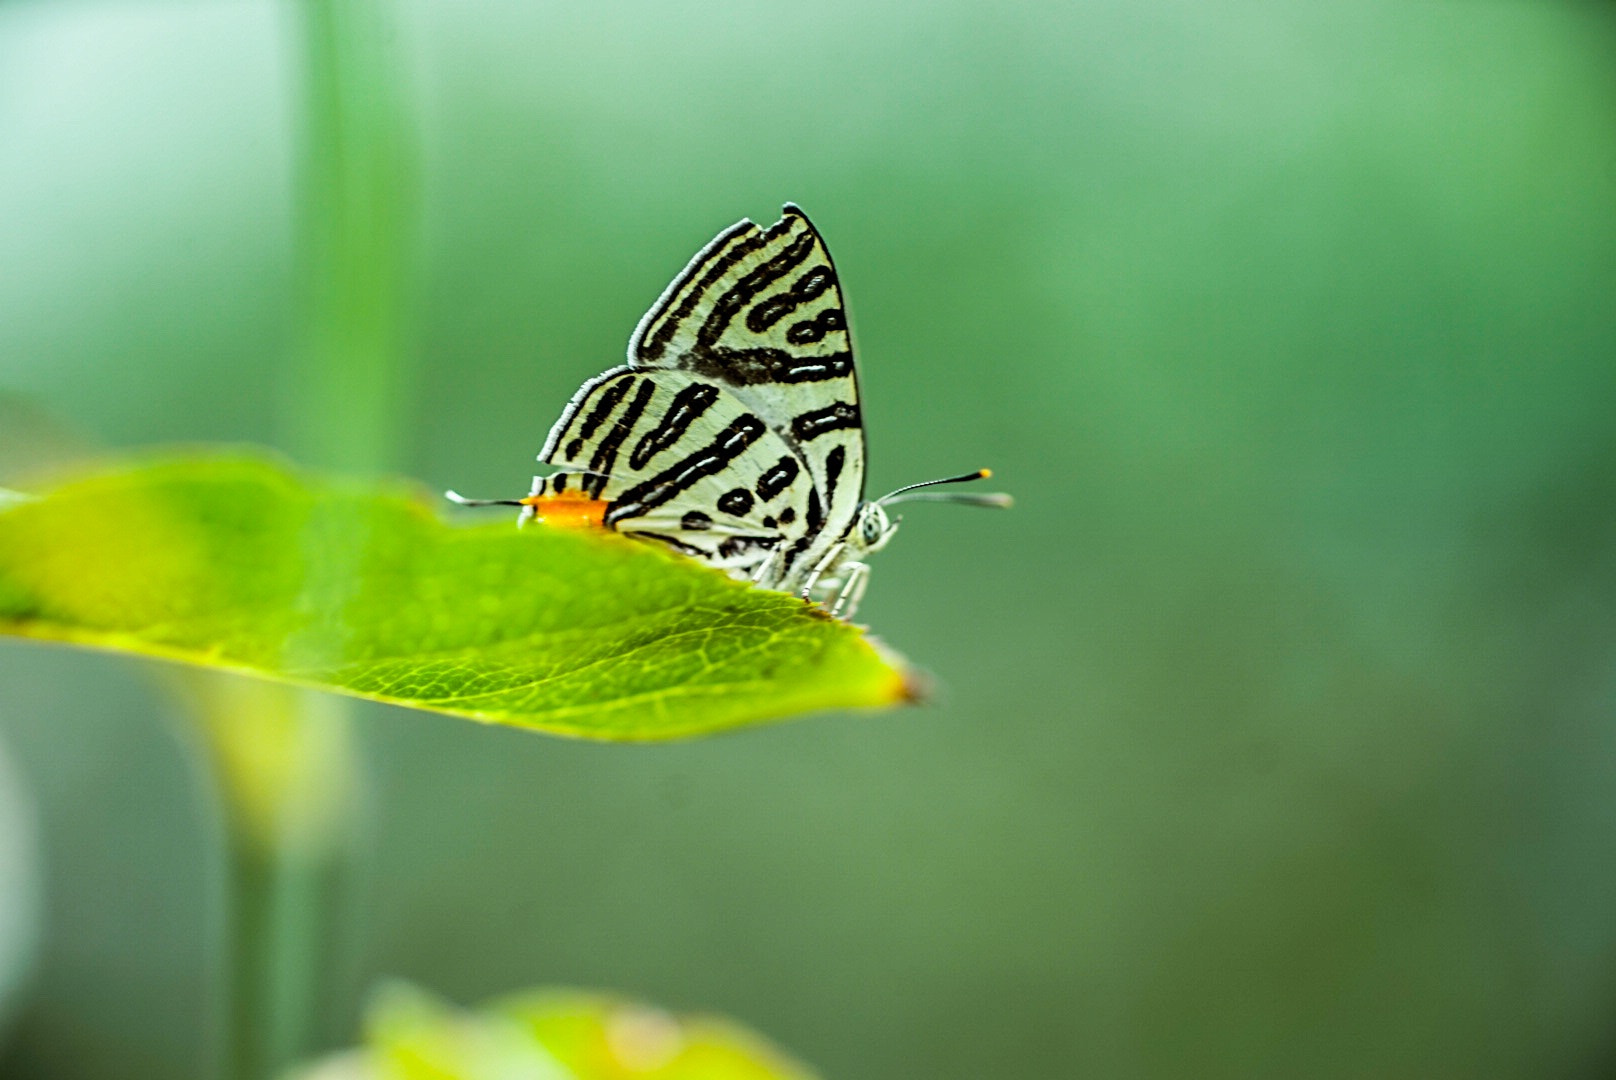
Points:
[(1277, 736)]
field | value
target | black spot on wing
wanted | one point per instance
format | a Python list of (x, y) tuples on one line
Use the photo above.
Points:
[(739, 545), (695, 521), (811, 425), (737, 502), (710, 460), (558, 483), (777, 479), (788, 515)]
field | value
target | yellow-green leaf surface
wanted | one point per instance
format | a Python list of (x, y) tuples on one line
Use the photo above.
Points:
[(244, 565), (550, 1035)]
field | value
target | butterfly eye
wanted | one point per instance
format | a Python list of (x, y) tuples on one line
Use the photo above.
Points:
[(872, 524)]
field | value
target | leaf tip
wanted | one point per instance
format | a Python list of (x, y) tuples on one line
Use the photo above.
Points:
[(915, 686), (905, 684)]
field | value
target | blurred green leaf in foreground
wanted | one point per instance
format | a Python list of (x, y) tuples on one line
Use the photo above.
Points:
[(550, 1035), (240, 564)]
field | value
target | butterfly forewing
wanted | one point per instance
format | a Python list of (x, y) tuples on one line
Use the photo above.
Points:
[(758, 313), (678, 458)]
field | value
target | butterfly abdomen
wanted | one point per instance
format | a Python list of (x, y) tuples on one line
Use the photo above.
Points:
[(568, 509)]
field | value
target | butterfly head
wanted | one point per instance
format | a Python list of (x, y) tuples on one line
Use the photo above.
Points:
[(874, 527)]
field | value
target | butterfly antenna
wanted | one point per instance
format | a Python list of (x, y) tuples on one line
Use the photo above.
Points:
[(455, 496), (997, 499)]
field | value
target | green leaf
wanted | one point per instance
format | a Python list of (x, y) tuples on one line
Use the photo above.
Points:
[(549, 1035), (239, 564)]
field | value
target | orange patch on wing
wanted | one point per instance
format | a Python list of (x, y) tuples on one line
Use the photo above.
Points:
[(568, 510)]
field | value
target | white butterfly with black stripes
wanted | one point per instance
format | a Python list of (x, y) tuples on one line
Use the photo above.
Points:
[(733, 433)]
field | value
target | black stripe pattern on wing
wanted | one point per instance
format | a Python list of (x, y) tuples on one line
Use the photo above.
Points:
[(835, 461), (710, 460), (714, 270), (675, 544), (808, 287), (813, 524), (763, 364), (750, 366), (744, 291), (609, 400), (605, 456), (811, 425), (686, 406), (812, 331)]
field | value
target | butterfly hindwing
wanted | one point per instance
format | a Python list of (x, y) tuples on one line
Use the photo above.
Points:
[(759, 313), (680, 459)]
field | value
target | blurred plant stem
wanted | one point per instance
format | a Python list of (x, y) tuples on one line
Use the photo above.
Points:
[(356, 187), (284, 759), (283, 768)]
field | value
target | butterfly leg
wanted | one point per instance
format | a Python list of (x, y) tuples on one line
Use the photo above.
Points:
[(768, 571), (851, 591), (825, 564)]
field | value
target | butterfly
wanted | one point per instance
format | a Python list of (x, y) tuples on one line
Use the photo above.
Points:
[(733, 434)]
